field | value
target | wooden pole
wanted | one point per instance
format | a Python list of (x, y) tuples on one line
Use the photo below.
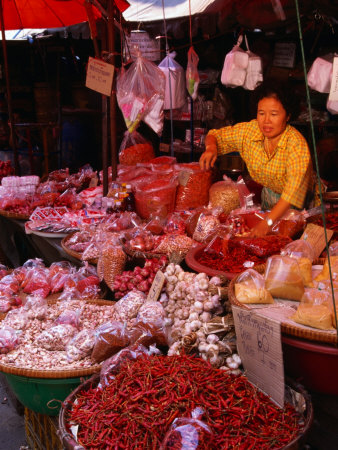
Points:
[(9, 95), (111, 50)]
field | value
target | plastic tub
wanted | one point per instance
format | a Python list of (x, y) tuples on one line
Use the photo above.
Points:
[(42, 395), (314, 365)]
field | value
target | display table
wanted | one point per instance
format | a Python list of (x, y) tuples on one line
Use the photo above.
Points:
[(19, 246)]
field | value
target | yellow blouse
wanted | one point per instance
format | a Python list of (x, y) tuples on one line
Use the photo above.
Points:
[(287, 171)]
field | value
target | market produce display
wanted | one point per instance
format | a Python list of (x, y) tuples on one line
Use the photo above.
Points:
[(150, 396), (34, 278), (154, 335)]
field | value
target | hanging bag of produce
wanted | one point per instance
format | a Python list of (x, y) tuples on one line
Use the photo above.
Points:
[(254, 71), (235, 66), (192, 75), (320, 73), (140, 94), (175, 90)]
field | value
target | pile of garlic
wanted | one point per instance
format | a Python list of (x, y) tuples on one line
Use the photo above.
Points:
[(186, 300), (189, 305)]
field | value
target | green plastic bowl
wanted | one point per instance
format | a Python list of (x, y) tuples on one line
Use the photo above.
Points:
[(42, 395)]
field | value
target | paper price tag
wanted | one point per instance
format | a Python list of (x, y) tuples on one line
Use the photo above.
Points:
[(156, 287), (260, 348), (100, 76)]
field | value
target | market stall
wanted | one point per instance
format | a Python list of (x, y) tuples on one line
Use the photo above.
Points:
[(204, 311)]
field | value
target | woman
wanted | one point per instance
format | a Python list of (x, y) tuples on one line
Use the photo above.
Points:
[(276, 154)]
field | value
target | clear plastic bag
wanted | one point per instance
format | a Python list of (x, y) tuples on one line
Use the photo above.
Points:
[(206, 228), (135, 149), (188, 433), (290, 224), (314, 310), (175, 89), (325, 273), (156, 198), (303, 252), (56, 338), (37, 282), (283, 278), (191, 74), (111, 262), (69, 317), (57, 274), (128, 306), (193, 186), (9, 339), (112, 365), (235, 66), (224, 194), (16, 318), (249, 288), (81, 345), (110, 338), (35, 307), (254, 70), (140, 90)]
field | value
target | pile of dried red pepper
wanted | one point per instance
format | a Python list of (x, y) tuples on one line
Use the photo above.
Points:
[(137, 407), (230, 255)]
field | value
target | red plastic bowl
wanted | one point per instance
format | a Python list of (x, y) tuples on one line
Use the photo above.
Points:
[(313, 365), (191, 261)]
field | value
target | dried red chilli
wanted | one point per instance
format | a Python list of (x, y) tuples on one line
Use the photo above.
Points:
[(136, 409)]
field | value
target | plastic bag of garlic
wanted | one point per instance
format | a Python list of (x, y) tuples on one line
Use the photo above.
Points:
[(193, 311)]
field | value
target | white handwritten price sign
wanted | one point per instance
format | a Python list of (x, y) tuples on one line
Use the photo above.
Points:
[(260, 348), (100, 76), (156, 287)]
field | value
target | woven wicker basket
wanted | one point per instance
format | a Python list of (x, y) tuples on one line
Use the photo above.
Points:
[(70, 252), (295, 394), (295, 329), (61, 373), (12, 215)]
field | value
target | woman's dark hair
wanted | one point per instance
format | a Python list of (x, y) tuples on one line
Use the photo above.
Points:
[(282, 91)]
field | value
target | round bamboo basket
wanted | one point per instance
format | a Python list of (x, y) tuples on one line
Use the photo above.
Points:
[(294, 329), (295, 394), (74, 254), (12, 215), (60, 373)]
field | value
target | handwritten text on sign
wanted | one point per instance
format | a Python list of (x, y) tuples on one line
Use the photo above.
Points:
[(156, 287), (259, 346), (100, 76)]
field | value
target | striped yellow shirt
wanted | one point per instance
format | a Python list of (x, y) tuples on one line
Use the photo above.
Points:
[(287, 171)]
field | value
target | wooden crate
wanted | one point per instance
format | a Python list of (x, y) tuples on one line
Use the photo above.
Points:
[(41, 431)]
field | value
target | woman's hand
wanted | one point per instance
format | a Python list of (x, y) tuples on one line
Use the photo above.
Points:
[(261, 229), (208, 159)]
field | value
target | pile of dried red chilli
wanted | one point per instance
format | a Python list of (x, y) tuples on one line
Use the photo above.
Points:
[(229, 255), (137, 407)]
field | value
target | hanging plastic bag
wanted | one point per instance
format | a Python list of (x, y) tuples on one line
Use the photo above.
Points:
[(135, 149), (254, 70), (174, 96), (235, 66), (140, 91), (320, 74), (192, 76)]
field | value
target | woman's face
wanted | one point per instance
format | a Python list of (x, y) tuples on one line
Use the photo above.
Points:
[(271, 117)]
